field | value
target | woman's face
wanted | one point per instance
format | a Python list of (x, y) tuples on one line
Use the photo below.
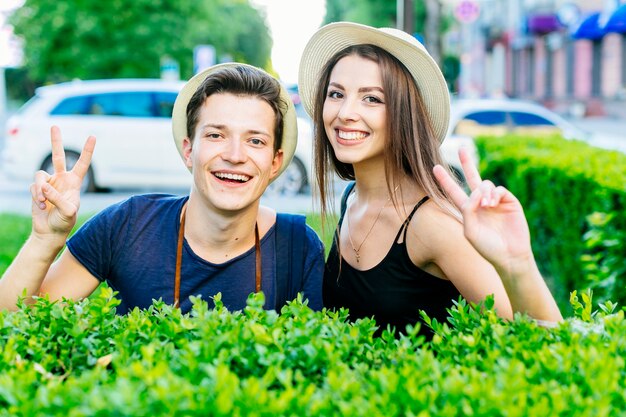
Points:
[(354, 114)]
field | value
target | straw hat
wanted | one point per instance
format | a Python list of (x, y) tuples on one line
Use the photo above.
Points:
[(179, 114), (335, 37)]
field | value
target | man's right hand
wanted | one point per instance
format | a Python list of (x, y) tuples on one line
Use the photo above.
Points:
[(56, 197)]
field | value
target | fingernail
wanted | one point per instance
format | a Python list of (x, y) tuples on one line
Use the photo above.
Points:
[(42, 206), (484, 202)]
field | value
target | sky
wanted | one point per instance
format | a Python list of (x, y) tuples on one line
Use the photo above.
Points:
[(291, 22), (9, 55)]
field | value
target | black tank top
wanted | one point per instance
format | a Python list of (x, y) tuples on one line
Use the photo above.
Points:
[(392, 292)]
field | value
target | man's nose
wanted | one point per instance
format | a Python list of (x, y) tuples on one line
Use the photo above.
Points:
[(235, 151)]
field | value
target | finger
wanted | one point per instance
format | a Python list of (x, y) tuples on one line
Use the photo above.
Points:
[(472, 177), (450, 186), (41, 178), (66, 208), (36, 202), (82, 165), (487, 189), (498, 195), (58, 153)]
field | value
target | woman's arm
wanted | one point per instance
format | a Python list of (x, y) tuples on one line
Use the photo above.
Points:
[(495, 225)]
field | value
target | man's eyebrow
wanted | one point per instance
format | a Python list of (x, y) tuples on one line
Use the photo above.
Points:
[(225, 127), (213, 125), (259, 132)]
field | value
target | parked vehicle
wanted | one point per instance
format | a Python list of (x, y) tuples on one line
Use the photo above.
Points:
[(473, 117), (131, 120)]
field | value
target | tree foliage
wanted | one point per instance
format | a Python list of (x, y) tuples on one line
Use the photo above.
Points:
[(128, 38), (429, 21), (377, 13)]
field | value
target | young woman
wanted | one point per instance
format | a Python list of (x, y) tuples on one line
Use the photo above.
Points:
[(409, 238)]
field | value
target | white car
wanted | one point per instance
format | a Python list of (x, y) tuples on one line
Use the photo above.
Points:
[(131, 120), (473, 117)]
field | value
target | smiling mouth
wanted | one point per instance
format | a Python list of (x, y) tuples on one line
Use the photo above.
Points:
[(341, 134), (230, 177)]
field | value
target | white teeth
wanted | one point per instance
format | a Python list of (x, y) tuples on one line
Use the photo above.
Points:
[(229, 176), (351, 135)]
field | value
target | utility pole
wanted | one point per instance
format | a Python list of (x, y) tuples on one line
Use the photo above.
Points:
[(405, 16), (432, 36)]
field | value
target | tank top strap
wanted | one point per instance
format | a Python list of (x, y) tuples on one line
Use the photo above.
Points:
[(405, 225)]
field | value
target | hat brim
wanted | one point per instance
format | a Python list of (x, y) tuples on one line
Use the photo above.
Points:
[(179, 114), (335, 37)]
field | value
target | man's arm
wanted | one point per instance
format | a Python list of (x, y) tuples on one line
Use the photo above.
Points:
[(34, 272), (55, 202)]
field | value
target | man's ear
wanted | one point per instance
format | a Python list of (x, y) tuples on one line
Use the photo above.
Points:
[(277, 163), (187, 148)]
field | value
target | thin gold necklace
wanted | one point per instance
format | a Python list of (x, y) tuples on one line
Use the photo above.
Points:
[(355, 249)]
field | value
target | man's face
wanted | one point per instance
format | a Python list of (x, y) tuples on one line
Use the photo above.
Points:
[(232, 152)]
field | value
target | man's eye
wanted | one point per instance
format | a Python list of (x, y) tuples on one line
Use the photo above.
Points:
[(213, 135), (256, 141)]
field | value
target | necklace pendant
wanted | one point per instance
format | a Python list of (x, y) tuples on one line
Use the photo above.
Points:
[(358, 257)]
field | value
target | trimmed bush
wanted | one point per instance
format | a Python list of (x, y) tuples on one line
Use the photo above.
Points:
[(561, 184), (80, 359)]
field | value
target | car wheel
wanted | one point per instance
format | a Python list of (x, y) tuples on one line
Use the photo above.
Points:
[(88, 185), (291, 182)]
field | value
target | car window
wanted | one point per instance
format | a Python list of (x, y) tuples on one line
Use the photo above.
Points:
[(529, 119), (482, 123), (137, 104), (487, 118), (127, 104), (72, 106), (164, 104)]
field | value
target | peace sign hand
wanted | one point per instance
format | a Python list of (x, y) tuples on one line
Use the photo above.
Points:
[(56, 197), (493, 218)]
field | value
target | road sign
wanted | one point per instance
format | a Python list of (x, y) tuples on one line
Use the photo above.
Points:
[(467, 11), (203, 57)]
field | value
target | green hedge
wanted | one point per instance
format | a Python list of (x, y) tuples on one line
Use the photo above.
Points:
[(574, 197), (80, 359)]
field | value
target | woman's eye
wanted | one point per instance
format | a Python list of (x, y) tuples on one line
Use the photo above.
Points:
[(373, 99), (334, 94)]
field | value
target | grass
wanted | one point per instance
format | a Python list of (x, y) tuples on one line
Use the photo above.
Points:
[(15, 229)]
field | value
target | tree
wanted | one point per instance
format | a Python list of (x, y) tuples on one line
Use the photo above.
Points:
[(428, 19), (128, 38)]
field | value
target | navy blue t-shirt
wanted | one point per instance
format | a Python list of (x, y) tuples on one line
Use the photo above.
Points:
[(132, 246)]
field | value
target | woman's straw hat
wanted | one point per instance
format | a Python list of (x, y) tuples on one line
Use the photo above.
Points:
[(335, 37)]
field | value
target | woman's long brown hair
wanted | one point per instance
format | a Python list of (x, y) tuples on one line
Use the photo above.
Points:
[(411, 151)]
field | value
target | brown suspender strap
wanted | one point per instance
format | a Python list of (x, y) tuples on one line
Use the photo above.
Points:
[(257, 249), (179, 257)]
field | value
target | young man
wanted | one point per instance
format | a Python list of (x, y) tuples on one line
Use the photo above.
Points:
[(235, 129)]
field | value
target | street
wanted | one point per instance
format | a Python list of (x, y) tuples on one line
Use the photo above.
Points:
[(15, 198)]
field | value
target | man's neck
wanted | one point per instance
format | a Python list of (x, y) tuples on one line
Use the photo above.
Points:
[(218, 236)]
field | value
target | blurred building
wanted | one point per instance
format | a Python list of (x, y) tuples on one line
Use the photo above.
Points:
[(568, 54)]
